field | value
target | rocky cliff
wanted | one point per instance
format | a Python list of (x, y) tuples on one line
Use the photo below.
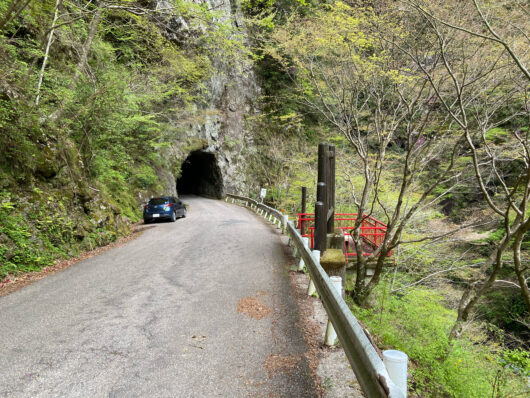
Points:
[(218, 137)]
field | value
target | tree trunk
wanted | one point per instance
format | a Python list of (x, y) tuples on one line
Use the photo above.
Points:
[(519, 269), (472, 294), (47, 52), (92, 30)]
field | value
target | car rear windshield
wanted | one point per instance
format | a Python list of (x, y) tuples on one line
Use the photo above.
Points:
[(158, 201)]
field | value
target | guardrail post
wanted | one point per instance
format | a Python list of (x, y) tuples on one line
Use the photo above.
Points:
[(331, 335), (396, 364), (301, 264), (311, 288), (285, 220)]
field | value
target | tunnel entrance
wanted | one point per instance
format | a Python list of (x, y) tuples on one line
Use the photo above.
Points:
[(200, 175)]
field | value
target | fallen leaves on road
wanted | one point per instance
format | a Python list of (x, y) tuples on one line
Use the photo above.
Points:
[(254, 308), (278, 363)]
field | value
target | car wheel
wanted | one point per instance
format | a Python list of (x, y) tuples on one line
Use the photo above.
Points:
[(184, 214), (146, 221), (173, 217)]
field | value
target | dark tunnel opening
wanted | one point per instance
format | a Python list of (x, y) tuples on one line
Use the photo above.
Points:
[(200, 175)]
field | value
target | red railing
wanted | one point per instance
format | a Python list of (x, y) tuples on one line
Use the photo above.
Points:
[(372, 233)]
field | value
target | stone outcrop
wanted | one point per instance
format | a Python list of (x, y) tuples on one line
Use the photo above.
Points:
[(220, 128)]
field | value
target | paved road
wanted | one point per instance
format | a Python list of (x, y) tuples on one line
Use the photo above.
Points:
[(158, 317)]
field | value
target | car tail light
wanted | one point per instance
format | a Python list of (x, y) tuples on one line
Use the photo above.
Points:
[(168, 204), (145, 207)]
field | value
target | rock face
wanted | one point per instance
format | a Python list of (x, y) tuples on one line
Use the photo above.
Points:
[(232, 93)]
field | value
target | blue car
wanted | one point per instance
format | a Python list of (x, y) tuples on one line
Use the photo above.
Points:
[(164, 208)]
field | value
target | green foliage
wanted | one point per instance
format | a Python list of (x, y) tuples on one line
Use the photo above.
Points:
[(497, 135), (18, 250), (49, 224), (418, 324), (518, 360)]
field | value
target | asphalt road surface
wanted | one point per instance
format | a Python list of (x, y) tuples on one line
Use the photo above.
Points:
[(195, 308)]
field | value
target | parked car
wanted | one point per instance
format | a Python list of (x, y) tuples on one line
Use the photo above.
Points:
[(165, 207)]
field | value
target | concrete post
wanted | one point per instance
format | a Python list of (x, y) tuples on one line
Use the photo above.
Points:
[(331, 335), (284, 223), (336, 241), (396, 364), (311, 288), (301, 264), (334, 263)]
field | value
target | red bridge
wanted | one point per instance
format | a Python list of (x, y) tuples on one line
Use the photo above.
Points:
[(372, 233)]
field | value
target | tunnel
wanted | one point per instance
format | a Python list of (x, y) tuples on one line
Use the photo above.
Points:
[(200, 175)]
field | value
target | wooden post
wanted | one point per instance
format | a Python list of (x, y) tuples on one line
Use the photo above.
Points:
[(302, 223), (320, 229), (321, 213), (325, 222), (323, 162), (330, 184)]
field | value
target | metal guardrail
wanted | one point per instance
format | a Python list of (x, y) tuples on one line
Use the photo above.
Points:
[(275, 213), (368, 367)]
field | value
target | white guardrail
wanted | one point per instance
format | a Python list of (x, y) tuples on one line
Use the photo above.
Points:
[(368, 367)]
